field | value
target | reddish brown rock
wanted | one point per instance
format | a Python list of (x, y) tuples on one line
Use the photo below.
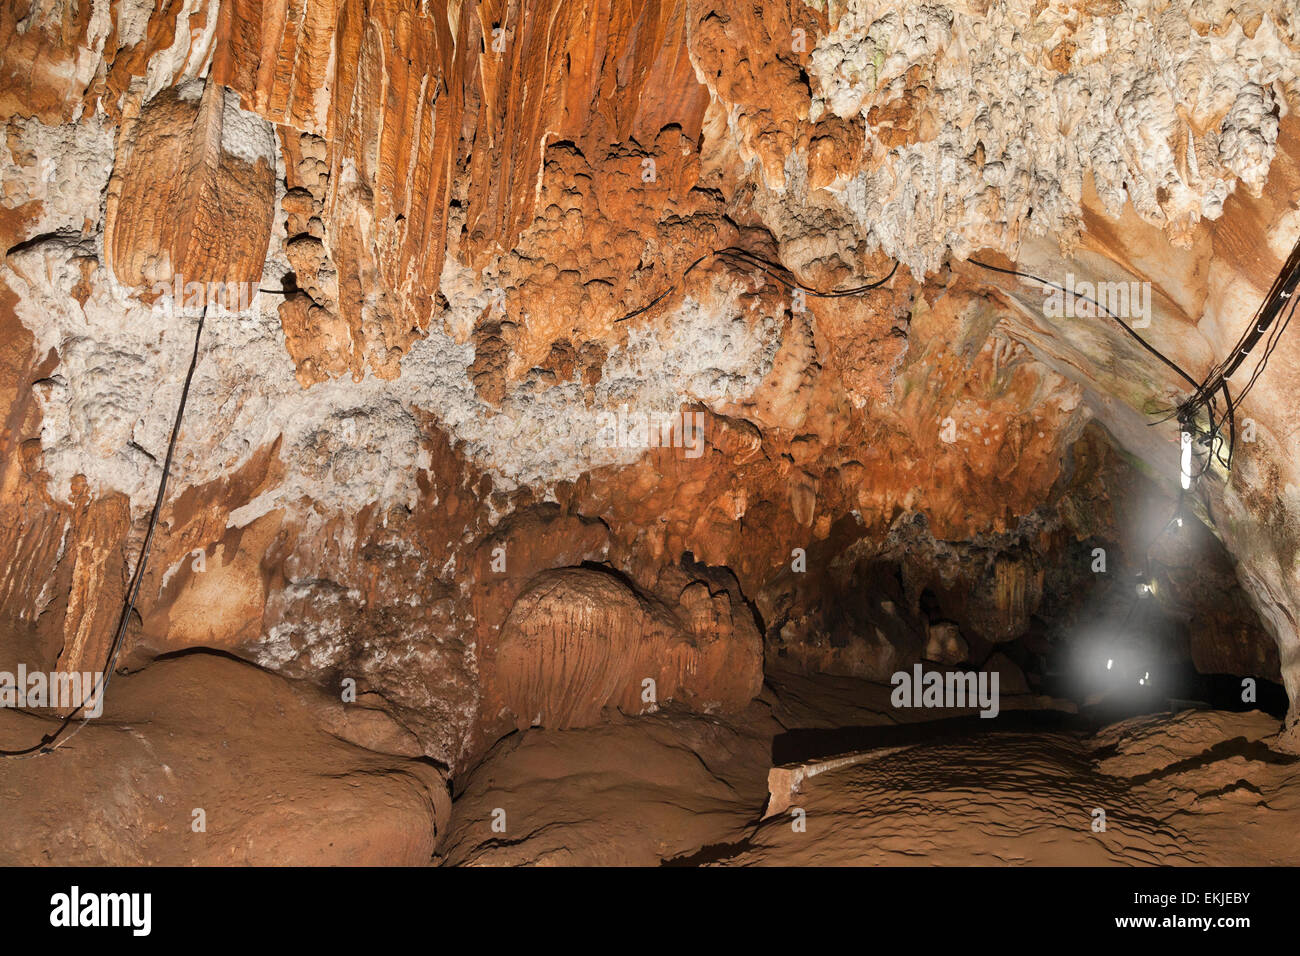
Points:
[(186, 173), (498, 219), (579, 641), (214, 762)]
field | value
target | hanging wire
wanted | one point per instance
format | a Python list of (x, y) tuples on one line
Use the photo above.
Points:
[(56, 739), (1207, 437), (1281, 298), (738, 257)]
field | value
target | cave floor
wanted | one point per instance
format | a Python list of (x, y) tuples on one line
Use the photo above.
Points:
[(204, 759), (1033, 799), (1197, 788)]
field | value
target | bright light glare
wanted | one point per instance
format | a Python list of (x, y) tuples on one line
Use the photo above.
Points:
[(1187, 460), (1109, 664)]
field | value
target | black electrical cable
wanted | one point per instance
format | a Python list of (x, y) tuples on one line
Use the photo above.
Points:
[(771, 268), (51, 742), (1281, 297), (55, 739), (1275, 337), (1281, 294), (1184, 412), (660, 297), (1122, 324), (735, 255)]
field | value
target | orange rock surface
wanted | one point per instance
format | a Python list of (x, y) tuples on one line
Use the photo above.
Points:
[(478, 228)]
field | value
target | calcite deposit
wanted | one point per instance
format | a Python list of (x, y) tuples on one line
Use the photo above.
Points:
[(457, 263)]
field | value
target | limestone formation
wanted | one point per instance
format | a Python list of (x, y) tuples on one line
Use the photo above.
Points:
[(552, 348), (578, 641)]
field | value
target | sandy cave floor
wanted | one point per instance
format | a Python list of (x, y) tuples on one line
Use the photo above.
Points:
[(286, 775), (1201, 787)]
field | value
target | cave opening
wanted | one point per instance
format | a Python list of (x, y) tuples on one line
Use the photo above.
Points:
[(1100, 606)]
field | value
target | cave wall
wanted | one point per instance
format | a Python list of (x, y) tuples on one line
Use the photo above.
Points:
[(440, 216)]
